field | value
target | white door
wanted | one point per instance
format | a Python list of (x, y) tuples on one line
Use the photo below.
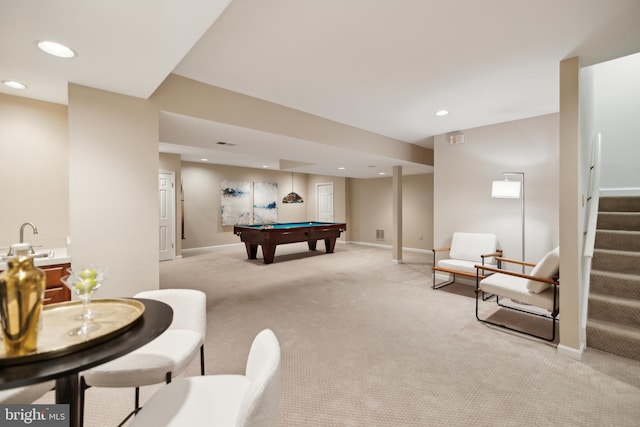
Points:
[(324, 203), (167, 215)]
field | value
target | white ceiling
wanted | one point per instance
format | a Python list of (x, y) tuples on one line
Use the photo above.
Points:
[(385, 67)]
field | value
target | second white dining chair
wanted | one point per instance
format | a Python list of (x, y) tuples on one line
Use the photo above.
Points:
[(26, 394), (249, 400)]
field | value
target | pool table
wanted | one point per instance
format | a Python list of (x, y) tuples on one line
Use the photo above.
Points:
[(268, 236)]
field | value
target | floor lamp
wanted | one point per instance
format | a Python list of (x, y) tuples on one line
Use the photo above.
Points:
[(506, 189)]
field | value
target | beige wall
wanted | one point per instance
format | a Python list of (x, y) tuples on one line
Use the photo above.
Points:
[(417, 211), (370, 209), (113, 187), (463, 176), (34, 177)]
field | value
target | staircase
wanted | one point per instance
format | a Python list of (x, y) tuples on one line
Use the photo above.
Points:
[(613, 323)]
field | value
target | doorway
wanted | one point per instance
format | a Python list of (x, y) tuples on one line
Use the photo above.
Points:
[(324, 202), (167, 215)]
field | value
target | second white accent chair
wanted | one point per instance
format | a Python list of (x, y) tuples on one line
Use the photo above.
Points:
[(166, 356), (250, 400), (536, 289)]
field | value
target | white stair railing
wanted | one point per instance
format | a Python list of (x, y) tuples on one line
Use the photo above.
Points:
[(593, 199)]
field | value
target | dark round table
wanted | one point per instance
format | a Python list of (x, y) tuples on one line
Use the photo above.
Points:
[(65, 369)]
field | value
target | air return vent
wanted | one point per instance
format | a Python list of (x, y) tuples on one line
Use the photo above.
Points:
[(379, 234)]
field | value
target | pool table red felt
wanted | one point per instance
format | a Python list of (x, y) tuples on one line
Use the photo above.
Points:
[(268, 236)]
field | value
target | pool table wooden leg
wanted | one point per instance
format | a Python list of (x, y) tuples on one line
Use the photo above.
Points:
[(312, 244), (330, 244), (252, 250), (268, 252)]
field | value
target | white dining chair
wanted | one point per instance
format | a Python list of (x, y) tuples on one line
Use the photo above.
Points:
[(249, 400), (163, 358), (26, 394)]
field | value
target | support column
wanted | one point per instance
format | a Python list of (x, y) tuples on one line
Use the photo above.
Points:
[(571, 212), (113, 187), (397, 215)]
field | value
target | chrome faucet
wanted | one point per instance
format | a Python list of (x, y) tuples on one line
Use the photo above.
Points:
[(35, 231)]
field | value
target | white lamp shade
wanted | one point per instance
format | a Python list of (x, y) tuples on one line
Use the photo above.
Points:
[(505, 189)]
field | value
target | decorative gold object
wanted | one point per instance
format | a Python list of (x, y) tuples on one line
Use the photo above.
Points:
[(21, 297)]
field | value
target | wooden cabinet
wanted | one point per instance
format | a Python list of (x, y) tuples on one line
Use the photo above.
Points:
[(55, 290)]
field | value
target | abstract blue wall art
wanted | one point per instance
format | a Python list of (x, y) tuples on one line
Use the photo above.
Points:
[(265, 203), (236, 202)]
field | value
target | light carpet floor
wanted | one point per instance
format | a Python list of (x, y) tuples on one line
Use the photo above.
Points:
[(366, 342)]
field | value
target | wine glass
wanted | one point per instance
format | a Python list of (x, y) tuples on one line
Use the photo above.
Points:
[(84, 282)]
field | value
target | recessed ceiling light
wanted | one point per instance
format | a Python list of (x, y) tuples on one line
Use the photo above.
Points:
[(381, 173), (341, 168), (204, 160), (55, 49), (14, 84), (442, 113), (265, 166)]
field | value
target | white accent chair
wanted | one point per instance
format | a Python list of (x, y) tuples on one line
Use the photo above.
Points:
[(164, 357), (26, 394), (249, 400), (466, 250), (538, 289)]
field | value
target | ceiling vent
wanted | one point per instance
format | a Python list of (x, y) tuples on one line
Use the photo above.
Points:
[(225, 143), (456, 138)]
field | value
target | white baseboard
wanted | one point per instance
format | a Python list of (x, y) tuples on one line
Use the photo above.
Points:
[(385, 246), (373, 245), (420, 251), (629, 191), (206, 249), (570, 352)]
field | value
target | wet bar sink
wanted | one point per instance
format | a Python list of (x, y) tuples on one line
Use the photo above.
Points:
[(37, 255)]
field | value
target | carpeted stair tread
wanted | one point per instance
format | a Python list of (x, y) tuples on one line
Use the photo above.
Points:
[(629, 221), (615, 284), (616, 261), (622, 311), (619, 221), (616, 339), (618, 239), (619, 204)]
